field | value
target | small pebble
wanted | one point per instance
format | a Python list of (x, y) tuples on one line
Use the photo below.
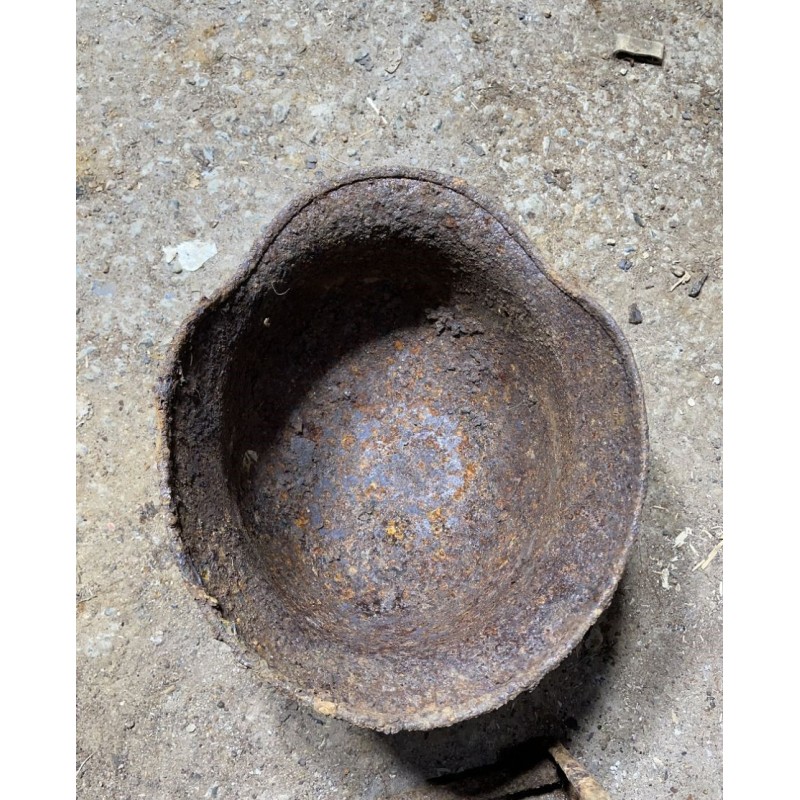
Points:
[(191, 727), (625, 264), (637, 218), (279, 112), (547, 13), (686, 115), (690, 401), (678, 272), (363, 59), (717, 380), (129, 724), (634, 315), (697, 286), (311, 163), (611, 242)]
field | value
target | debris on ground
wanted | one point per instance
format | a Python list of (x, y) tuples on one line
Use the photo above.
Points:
[(84, 411), (391, 68), (697, 286), (583, 785), (706, 562), (634, 315), (685, 278), (647, 51), (665, 578), (363, 58), (637, 218), (678, 272), (680, 539), (625, 264), (191, 255)]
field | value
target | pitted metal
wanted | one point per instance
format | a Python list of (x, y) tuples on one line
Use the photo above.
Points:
[(406, 461)]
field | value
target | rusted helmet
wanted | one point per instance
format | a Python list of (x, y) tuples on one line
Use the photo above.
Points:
[(405, 461)]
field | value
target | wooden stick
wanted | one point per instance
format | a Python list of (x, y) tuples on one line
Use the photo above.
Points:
[(583, 784)]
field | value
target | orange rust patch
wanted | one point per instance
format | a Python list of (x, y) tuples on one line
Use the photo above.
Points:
[(376, 490), (399, 345), (435, 516), (395, 531)]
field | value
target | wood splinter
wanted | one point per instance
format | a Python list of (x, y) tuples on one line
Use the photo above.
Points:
[(582, 785), (646, 50)]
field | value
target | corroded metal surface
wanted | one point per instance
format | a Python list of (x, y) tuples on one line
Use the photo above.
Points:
[(405, 462)]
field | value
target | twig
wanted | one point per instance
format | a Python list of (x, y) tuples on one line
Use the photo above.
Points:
[(83, 764), (685, 279), (331, 155)]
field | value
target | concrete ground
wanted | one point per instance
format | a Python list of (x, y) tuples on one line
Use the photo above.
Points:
[(199, 121)]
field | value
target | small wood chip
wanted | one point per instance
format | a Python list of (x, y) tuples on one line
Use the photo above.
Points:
[(665, 578), (646, 50), (682, 536), (706, 562)]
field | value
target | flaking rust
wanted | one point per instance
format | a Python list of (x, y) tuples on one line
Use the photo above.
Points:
[(414, 490)]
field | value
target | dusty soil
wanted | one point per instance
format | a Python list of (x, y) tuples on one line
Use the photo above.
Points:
[(199, 122)]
